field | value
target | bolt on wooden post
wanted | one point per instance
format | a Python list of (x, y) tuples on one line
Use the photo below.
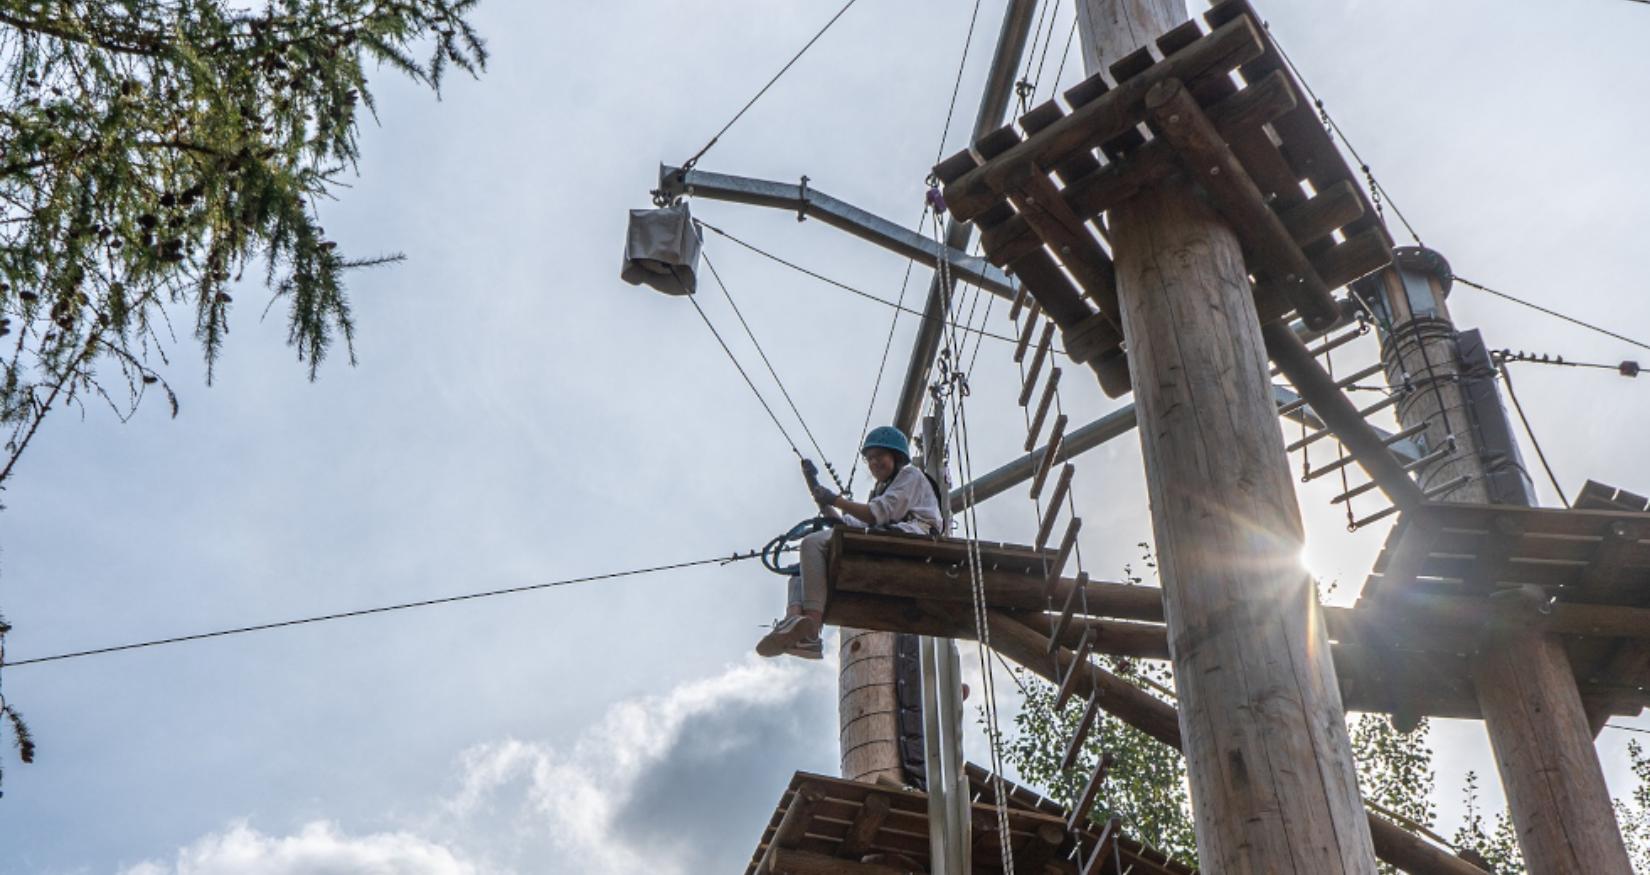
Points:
[(1272, 778)]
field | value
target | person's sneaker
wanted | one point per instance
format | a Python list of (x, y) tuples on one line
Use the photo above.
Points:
[(808, 648), (785, 634)]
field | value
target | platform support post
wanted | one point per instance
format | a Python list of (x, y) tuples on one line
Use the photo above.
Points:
[(1273, 783), (1526, 689)]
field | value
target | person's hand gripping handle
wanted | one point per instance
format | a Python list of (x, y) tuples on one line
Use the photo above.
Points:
[(822, 496)]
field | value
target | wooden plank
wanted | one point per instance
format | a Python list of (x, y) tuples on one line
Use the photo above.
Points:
[(1323, 213), (1056, 503), (1036, 368), (1080, 735), (1115, 637), (1026, 331), (1090, 792), (1605, 579), (1107, 843), (1058, 567), (1035, 430), (1148, 166), (1104, 118), (1075, 671), (1050, 453), (1057, 629), (792, 826), (795, 862)]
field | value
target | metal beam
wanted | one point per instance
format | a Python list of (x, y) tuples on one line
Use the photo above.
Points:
[(994, 101), (809, 201)]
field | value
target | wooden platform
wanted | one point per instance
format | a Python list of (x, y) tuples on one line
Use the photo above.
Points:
[(1391, 659), (1257, 149), (824, 824), (1451, 573)]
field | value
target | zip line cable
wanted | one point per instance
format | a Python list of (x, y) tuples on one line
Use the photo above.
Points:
[(688, 164), (771, 372), (384, 609), (741, 368), (1554, 313), (1506, 377)]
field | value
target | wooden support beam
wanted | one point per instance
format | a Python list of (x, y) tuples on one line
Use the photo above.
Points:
[(1159, 720), (1210, 163), (862, 832), (1038, 854), (794, 862), (1064, 232)]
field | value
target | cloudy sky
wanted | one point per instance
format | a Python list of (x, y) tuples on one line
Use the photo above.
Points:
[(519, 415)]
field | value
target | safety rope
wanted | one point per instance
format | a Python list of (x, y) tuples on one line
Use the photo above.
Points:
[(955, 387), (741, 368)]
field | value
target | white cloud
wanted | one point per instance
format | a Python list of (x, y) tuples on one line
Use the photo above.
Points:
[(316, 849), (627, 793)]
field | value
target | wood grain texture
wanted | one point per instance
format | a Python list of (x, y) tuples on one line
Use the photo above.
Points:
[(867, 727)]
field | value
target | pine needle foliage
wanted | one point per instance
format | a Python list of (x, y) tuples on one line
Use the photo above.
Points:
[(151, 151), (10, 717)]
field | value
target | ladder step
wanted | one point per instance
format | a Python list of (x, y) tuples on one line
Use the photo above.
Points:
[(1037, 358), (1316, 436), (1019, 302), (1067, 611), (1061, 487), (1067, 544), (1074, 745), (1079, 667), (1330, 344), (1055, 436), (1348, 459), (1032, 314), (1434, 492), (1108, 842), (1422, 462), (1298, 403), (1043, 406), (1091, 790)]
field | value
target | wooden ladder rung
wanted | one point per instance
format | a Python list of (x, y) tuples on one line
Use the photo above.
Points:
[(1364, 412), (1067, 611), (1067, 545), (1036, 427), (1033, 312), (1074, 745), (1055, 436), (1068, 684), (1091, 790), (1108, 841), (1037, 359), (1061, 487), (1020, 296)]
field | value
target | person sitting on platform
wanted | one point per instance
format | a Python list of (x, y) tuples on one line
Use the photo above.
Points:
[(905, 499)]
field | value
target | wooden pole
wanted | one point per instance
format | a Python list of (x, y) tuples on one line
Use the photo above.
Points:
[(1272, 778), (1525, 685)]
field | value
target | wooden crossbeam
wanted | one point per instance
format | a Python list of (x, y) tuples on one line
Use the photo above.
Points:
[(1065, 233), (792, 826), (1202, 151), (862, 832)]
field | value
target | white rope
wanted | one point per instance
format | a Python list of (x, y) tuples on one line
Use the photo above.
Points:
[(976, 577)]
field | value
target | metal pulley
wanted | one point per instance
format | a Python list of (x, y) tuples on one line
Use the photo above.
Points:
[(662, 250)]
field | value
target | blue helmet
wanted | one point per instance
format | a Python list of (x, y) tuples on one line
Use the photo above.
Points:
[(888, 438)]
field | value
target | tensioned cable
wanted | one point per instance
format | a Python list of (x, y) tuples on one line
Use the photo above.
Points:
[(855, 291), (956, 86), (1506, 377), (383, 609), (741, 368), (771, 372), (688, 164), (1554, 313)]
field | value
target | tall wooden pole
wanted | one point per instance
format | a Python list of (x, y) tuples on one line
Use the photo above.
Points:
[(1526, 689), (1272, 779)]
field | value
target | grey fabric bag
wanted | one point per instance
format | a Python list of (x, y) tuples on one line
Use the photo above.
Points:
[(662, 250)]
